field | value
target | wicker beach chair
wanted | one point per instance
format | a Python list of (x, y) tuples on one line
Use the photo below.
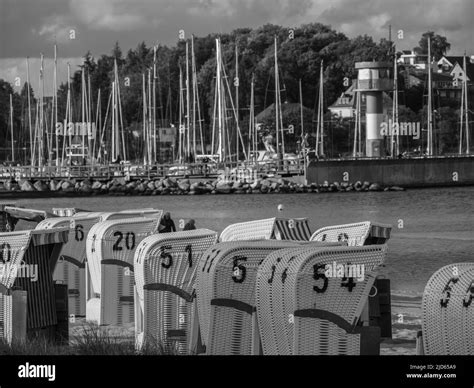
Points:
[(13, 247), (165, 271), (357, 234), (448, 312), (34, 255), (110, 248), (70, 268), (226, 295), (296, 229), (327, 310)]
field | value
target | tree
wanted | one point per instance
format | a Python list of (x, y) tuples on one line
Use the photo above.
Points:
[(439, 45)]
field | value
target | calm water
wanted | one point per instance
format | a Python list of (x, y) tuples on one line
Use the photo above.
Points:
[(438, 224)]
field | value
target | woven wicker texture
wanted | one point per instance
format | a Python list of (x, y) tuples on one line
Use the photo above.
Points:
[(13, 246), (342, 298), (226, 294), (355, 234), (70, 268), (6, 317), (448, 311), (110, 248), (271, 278), (247, 231), (165, 273)]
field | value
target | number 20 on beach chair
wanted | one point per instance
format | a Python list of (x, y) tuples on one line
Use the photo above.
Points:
[(110, 249)]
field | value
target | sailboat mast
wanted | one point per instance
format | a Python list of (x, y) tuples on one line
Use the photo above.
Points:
[(466, 109), (154, 105), (41, 127), (55, 101), (277, 115), (181, 109), (321, 109), (29, 109), (193, 69), (144, 119), (219, 101), (237, 82), (188, 106), (11, 126)]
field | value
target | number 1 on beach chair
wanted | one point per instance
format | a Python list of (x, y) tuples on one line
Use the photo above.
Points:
[(165, 272)]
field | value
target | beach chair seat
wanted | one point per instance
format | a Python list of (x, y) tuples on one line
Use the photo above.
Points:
[(70, 268), (110, 248), (165, 273), (327, 310), (276, 332), (356, 234), (296, 229), (226, 295), (448, 311)]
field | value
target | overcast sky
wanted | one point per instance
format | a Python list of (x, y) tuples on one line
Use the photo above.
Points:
[(29, 27)]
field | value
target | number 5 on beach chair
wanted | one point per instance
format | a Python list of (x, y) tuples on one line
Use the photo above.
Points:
[(448, 312), (226, 295), (70, 268), (165, 272), (110, 248)]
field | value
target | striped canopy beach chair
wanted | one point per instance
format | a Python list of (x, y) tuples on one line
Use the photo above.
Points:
[(226, 295), (448, 312), (30, 257), (110, 249), (356, 234), (165, 273), (296, 229), (70, 268)]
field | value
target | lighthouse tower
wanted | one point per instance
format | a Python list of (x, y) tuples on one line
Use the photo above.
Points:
[(373, 79)]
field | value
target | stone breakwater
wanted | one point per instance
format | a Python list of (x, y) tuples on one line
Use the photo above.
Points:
[(173, 186)]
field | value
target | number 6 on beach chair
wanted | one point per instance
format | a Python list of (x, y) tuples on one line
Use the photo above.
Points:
[(448, 312), (110, 249), (165, 272), (72, 259), (226, 295), (357, 234)]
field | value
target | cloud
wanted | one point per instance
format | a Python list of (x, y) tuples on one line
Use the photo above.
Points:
[(14, 71)]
